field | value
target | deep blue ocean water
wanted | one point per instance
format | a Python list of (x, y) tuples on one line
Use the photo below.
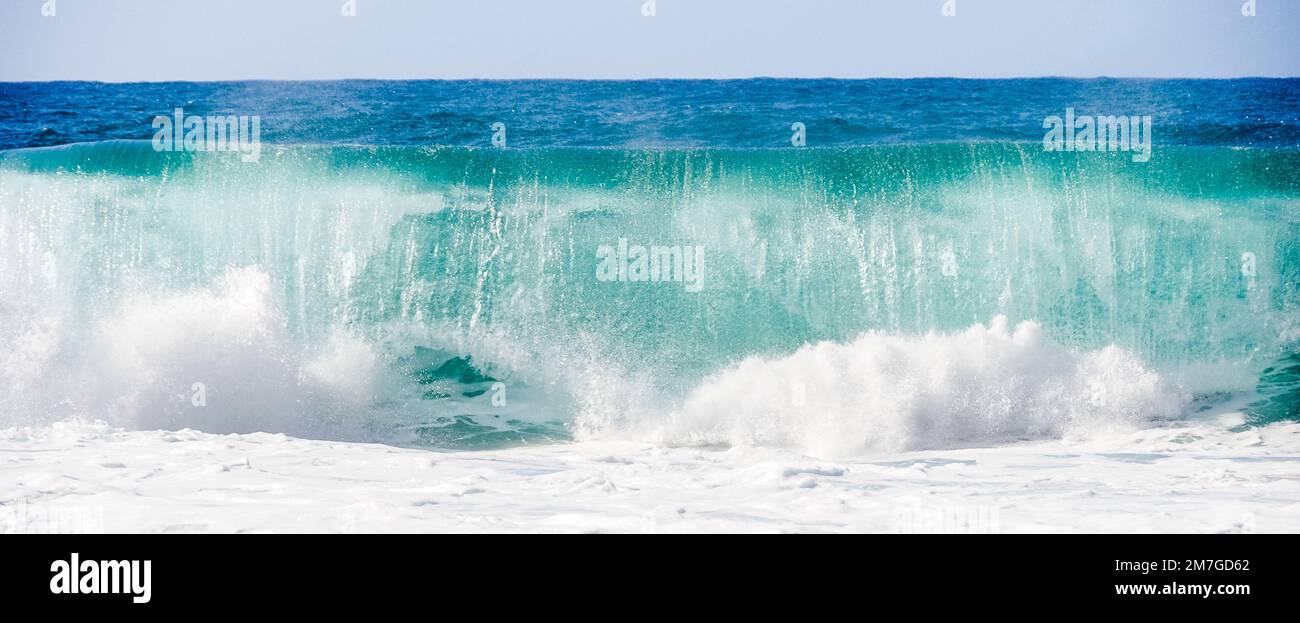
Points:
[(655, 113)]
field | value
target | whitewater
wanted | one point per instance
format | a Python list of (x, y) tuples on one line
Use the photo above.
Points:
[(953, 337)]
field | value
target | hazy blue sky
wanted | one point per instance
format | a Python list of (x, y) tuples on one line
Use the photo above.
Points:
[(128, 40)]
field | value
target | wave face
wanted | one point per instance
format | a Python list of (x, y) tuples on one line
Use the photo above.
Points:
[(459, 296)]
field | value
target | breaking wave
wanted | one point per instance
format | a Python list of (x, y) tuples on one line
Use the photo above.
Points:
[(450, 296)]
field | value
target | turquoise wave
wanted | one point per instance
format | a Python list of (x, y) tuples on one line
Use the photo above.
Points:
[(1191, 261)]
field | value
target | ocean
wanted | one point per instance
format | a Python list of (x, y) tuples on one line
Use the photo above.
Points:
[(811, 287), (658, 114)]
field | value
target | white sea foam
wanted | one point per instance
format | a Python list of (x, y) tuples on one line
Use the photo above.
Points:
[(1192, 476), (216, 359), (232, 339), (885, 393)]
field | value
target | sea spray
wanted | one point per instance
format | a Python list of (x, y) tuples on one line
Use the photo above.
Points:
[(885, 393), (437, 269)]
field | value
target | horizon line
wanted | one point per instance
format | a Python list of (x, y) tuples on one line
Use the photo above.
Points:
[(658, 79)]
